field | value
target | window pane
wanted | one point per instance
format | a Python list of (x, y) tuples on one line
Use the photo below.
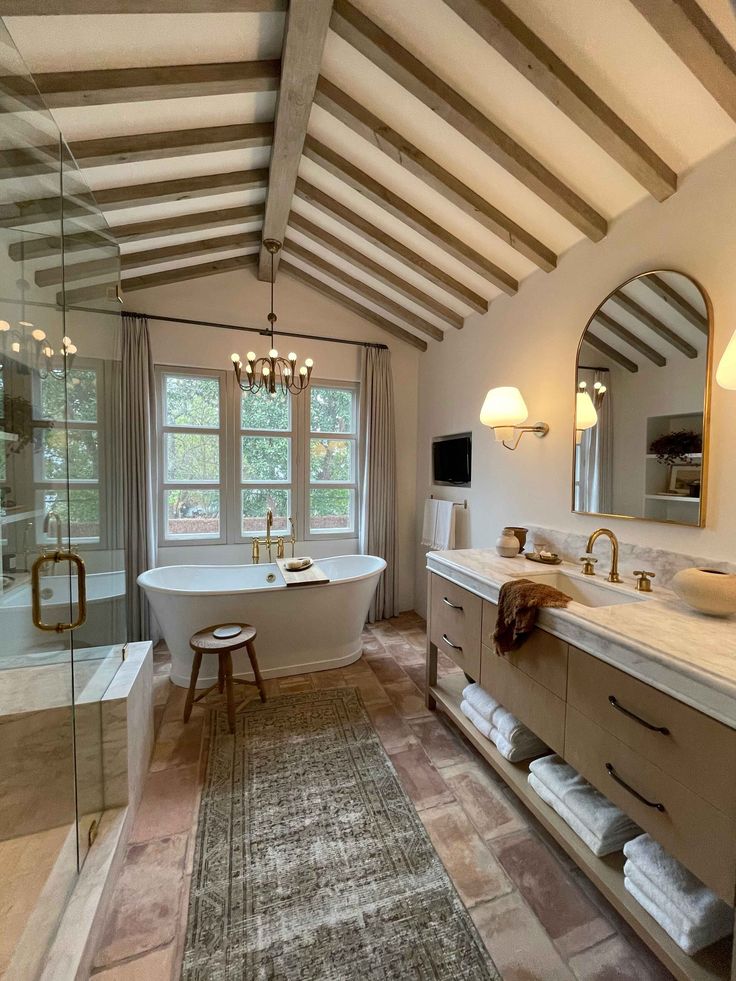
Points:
[(81, 396), (192, 512), (82, 513), (82, 453), (259, 410), (265, 458), (192, 400), (255, 502), (331, 509), (192, 457), (331, 459), (332, 410)]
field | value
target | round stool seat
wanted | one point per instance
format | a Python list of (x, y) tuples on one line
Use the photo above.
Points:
[(205, 641)]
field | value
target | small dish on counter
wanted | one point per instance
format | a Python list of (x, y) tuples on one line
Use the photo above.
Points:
[(546, 558)]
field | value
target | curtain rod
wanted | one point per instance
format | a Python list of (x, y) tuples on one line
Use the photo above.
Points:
[(591, 367)]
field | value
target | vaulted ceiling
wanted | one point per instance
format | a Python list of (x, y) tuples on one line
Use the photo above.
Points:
[(418, 160)]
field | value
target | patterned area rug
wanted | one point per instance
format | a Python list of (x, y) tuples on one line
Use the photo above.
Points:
[(311, 863)]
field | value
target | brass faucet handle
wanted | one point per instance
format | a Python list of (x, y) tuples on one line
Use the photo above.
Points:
[(589, 562), (643, 580)]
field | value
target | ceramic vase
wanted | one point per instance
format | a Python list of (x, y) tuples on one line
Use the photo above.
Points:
[(507, 544), (707, 590), (520, 534)]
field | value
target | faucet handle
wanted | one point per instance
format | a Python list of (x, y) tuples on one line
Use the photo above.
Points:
[(643, 580), (589, 562)]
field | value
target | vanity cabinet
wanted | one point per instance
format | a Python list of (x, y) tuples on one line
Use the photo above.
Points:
[(671, 768)]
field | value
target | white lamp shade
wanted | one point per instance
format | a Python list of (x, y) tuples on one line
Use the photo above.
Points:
[(504, 407), (726, 373), (585, 414)]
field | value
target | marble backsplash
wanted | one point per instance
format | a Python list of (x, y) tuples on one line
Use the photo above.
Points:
[(570, 546)]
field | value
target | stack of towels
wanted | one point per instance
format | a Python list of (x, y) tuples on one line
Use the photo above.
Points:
[(512, 739), (602, 826), (687, 910)]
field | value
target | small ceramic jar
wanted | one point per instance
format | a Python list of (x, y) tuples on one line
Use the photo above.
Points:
[(507, 544), (707, 590)]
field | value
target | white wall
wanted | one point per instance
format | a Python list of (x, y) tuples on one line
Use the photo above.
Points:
[(531, 340), (239, 298)]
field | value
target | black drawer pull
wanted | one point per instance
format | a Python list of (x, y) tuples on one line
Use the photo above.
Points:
[(642, 722), (451, 605), (612, 773), (450, 643)]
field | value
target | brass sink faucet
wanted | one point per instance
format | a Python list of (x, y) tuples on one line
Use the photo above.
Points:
[(269, 542), (588, 569)]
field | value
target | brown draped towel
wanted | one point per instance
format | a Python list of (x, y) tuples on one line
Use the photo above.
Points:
[(518, 602)]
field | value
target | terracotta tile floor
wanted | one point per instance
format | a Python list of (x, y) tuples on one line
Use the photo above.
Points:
[(538, 915)]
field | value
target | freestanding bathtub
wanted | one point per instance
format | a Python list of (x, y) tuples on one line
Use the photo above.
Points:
[(300, 628)]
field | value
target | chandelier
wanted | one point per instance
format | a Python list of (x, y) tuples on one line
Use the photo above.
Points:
[(272, 373), (31, 343)]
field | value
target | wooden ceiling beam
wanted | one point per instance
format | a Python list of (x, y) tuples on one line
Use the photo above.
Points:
[(372, 129), (34, 8), (366, 292), (296, 272), (351, 175), (520, 47), (697, 42), (301, 56), (137, 195), (610, 352), (382, 240), (174, 143), (39, 248), (109, 86), (631, 339), (413, 75), (676, 301), (164, 278), (397, 283), (654, 324), (145, 257)]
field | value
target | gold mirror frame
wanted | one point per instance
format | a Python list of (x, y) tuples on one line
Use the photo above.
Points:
[(706, 406)]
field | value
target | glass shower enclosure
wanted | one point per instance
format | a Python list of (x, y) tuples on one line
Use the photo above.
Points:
[(62, 591)]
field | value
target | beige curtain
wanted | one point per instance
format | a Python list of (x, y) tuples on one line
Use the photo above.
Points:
[(137, 393), (379, 507), (596, 447)]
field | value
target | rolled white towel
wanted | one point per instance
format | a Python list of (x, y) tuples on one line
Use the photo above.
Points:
[(717, 923), (482, 725), (605, 821), (524, 745), (691, 940), (483, 703), (685, 891), (599, 846), (508, 725)]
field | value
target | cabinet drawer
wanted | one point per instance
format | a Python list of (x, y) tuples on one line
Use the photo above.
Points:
[(541, 656), (696, 750), (454, 624), (700, 836), (536, 706)]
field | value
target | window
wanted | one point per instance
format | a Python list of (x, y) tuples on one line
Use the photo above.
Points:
[(226, 457), (190, 458)]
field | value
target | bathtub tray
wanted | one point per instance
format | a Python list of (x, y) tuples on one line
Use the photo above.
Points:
[(304, 577)]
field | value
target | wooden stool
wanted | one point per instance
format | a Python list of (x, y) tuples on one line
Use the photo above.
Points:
[(205, 642)]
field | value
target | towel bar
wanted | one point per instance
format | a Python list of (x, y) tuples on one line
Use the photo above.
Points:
[(457, 504)]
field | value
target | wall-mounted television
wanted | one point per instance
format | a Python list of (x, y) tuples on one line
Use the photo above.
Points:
[(452, 458)]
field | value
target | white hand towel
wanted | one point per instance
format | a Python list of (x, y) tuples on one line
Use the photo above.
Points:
[(444, 532), (612, 842), (483, 703), (691, 941), (606, 821), (508, 725), (430, 522), (481, 724), (697, 902), (715, 924), (524, 746)]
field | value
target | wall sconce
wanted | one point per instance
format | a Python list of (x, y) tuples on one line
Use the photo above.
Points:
[(503, 411), (726, 373), (585, 412)]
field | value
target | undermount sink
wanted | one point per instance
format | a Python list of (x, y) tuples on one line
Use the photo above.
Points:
[(587, 592)]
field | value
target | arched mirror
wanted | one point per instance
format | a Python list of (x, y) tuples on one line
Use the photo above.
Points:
[(642, 400)]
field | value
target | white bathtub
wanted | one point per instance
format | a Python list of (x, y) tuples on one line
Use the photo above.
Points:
[(300, 628)]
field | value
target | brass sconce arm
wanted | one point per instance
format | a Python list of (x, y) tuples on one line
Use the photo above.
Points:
[(540, 431)]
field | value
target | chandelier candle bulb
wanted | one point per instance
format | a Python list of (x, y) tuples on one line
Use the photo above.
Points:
[(273, 353), (4, 325), (40, 335)]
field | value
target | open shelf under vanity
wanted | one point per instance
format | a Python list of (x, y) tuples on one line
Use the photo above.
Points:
[(712, 964)]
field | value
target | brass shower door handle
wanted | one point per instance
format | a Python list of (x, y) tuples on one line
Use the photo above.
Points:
[(55, 557)]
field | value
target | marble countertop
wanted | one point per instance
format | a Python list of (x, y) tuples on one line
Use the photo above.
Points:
[(658, 639)]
